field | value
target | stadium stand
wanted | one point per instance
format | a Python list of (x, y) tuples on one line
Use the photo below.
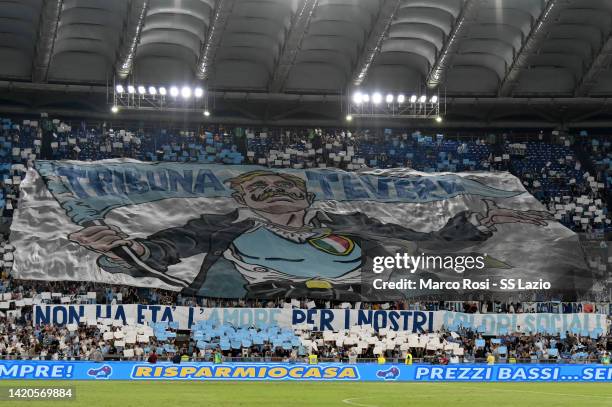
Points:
[(21, 339), (550, 171), (107, 339), (470, 96)]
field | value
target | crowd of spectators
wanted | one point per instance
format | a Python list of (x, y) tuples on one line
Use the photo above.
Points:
[(109, 339), (599, 152), (465, 346), (569, 174), (20, 339)]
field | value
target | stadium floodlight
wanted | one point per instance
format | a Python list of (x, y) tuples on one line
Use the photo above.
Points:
[(389, 98), (152, 90), (434, 99), (365, 97), (357, 98), (423, 99), (349, 117), (162, 91), (198, 92), (131, 90), (119, 88), (174, 92), (114, 109), (439, 119), (142, 90), (206, 113), (413, 99), (376, 98), (401, 98), (186, 92)]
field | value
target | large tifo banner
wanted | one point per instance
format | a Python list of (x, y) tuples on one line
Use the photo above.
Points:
[(236, 231), (322, 319), (140, 371)]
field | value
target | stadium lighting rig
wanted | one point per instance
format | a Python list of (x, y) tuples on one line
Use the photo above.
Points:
[(131, 95), (406, 105)]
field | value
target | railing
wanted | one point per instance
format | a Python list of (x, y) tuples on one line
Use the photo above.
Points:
[(276, 359)]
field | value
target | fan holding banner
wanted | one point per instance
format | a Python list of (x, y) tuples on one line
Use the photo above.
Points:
[(280, 243)]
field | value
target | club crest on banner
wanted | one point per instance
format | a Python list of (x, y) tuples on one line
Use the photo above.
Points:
[(103, 372), (390, 374)]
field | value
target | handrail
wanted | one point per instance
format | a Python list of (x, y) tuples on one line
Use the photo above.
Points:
[(276, 359)]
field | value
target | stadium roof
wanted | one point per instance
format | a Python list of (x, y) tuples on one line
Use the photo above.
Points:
[(485, 50)]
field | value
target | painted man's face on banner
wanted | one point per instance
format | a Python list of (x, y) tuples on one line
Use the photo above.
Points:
[(273, 194)]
